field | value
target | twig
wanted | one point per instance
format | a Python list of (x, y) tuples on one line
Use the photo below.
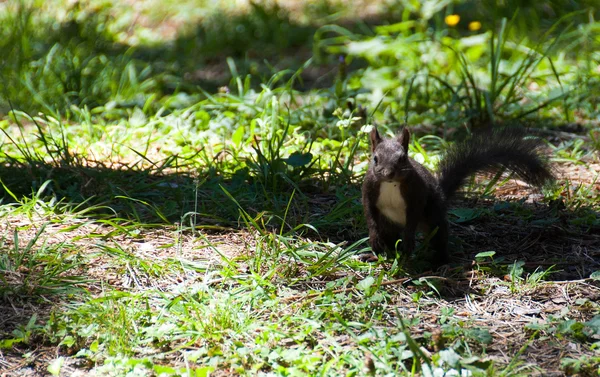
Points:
[(584, 280)]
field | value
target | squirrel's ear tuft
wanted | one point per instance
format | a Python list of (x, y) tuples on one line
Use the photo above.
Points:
[(404, 138), (375, 138)]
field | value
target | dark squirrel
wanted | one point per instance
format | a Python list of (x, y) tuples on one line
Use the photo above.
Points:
[(400, 196)]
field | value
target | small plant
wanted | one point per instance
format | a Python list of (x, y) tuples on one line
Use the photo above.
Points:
[(38, 268), (587, 365)]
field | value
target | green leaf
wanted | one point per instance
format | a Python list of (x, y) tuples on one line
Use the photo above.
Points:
[(449, 357), (594, 324), (395, 28), (203, 372), (565, 327), (369, 48), (94, 346), (291, 355), (480, 335), (8, 343), (237, 136), (595, 275), (476, 364), (163, 369), (297, 159), (515, 270), (485, 254), (366, 283), (466, 214), (68, 341), (55, 366), (202, 116)]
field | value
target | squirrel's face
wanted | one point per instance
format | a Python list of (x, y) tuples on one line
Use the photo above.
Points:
[(389, 160)]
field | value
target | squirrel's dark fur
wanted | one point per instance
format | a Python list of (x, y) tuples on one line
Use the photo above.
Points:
[(400, 195)]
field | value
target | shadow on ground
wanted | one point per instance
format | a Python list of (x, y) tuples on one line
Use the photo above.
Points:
[(205, 199), (537, 233)]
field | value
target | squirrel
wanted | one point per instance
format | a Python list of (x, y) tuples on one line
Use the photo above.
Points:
[(401, 196)]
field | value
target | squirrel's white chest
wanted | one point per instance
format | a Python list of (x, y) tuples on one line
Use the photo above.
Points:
[(391, 203)]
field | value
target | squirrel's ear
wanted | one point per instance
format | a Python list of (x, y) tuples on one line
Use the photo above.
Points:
[(375, 138), (404, 138)]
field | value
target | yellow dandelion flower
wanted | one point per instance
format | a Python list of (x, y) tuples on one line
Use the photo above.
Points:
[(475, 25), (452, 20)]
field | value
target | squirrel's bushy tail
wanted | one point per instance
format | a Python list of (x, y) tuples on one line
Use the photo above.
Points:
[(504, 147)]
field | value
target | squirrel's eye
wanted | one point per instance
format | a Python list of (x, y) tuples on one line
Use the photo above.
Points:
[(375, 160)]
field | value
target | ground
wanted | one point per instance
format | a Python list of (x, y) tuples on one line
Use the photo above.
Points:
[(478, 294), (181, 189)]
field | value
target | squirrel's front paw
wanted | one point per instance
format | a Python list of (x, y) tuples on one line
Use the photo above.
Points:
[(367, 258)]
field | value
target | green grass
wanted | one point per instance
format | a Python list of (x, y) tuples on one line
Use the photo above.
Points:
[(157, 222)]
